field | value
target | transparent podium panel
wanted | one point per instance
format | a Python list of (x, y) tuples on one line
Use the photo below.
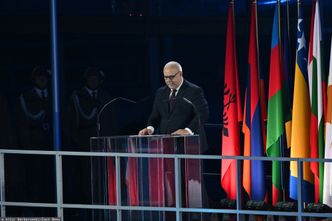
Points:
[(149, 179)]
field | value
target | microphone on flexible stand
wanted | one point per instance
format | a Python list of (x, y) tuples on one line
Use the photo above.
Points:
[(200, 131), (195, 110), (106, 105)]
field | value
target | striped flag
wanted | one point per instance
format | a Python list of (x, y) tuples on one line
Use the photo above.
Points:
[(246, 178), (253, 176), (316, 119), (300, 142), (327, 188), (232, 113), (275, 123), (262, 100)]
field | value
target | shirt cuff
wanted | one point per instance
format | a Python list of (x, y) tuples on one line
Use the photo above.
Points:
[(151, 128), (187, 129)]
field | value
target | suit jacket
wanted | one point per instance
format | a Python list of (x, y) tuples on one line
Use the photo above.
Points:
[(183, 114), (34, 124), (82, 117)]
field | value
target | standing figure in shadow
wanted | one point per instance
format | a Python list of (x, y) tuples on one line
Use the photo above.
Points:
[(83, 108), (34, 113), (82, 113), (34, 129)]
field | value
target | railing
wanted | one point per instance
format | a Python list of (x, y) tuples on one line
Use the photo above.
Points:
[(239, 211)]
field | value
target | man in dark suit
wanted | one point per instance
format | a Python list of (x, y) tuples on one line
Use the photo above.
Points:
[(179, 107), (34, 118), (79, 127), (34, 113), (83, 108)]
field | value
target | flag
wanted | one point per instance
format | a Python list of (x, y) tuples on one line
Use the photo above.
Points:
[(262, 91), (246, 178), (300, 142), (327, 188), (316, 101), (262, 100), (232, 113), (254, 180), (275, 123)]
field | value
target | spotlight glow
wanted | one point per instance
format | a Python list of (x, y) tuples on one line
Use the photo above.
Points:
[(271, 2)]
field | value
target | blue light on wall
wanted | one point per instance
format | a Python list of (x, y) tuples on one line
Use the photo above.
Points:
[(292, 2), (271, 2)]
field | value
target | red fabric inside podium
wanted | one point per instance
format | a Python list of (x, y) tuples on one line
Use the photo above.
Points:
[(161, 179)]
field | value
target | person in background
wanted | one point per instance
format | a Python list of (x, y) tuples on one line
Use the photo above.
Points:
[(34, 113), (34, 129), (81, 124), (83, 108)]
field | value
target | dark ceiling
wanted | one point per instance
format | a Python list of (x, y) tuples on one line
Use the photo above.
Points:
[(142, 7), (135, 38)]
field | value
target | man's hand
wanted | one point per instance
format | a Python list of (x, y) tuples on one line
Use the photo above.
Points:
[(181, 132), (145, 131)]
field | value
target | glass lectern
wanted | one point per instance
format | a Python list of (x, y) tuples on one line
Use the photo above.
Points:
[(147, 179)]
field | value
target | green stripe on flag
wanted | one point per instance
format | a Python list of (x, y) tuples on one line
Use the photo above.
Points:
[(275, 121)]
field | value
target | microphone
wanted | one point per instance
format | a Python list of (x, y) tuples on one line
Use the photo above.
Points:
[(106, 105), (195, 110)]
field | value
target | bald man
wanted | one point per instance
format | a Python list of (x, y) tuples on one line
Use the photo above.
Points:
[(174, 106)]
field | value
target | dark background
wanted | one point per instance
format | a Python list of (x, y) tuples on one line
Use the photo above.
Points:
[(131, 40)]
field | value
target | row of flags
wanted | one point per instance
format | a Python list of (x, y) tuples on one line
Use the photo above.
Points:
[(299, 120)]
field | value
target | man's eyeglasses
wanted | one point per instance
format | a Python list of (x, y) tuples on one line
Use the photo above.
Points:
[(171, 77)]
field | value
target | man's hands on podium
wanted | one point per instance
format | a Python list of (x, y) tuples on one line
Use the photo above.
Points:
[(148, 131), (145, 131), (181, 132)]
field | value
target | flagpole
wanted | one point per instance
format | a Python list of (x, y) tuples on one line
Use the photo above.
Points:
[(239, 180), (287, 18), (281, 138), (298, 15), (279, 29), (232, 3), (290, 76), (298, 8), (301, 204), (257, 45), (238, 171)]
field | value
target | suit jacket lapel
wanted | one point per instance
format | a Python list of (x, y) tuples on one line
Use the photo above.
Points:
[(182, 90)]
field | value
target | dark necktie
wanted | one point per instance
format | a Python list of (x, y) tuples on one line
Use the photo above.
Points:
[(172, 100)]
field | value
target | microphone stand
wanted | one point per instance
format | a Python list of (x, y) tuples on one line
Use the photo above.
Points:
[(106, 105), (195, 110)]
